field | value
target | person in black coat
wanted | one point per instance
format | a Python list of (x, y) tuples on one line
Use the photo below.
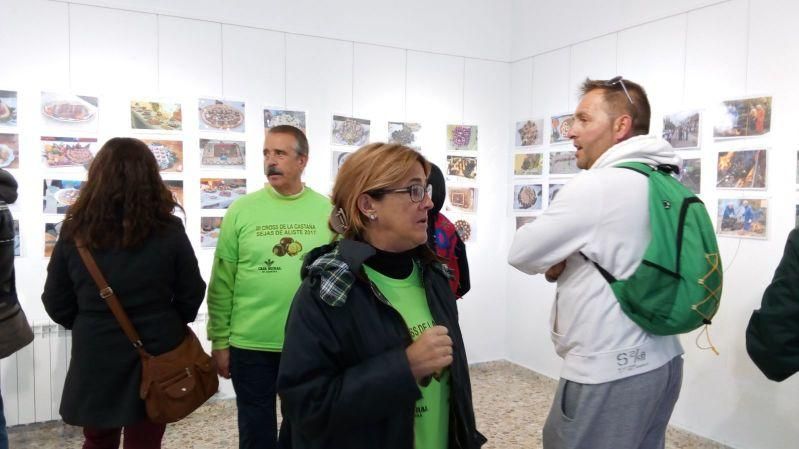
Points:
[(443, 238), (124, 215), (373, 354), (772, 337)]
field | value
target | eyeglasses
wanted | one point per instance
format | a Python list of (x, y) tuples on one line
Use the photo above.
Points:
[(416, 192), (619, 80)]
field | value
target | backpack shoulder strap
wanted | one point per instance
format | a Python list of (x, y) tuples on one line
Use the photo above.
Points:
[(639, 167)]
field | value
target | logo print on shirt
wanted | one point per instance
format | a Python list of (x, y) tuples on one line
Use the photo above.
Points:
[(268, 267), (287, 246)]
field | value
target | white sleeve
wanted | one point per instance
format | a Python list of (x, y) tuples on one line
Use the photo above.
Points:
[(564, 229)]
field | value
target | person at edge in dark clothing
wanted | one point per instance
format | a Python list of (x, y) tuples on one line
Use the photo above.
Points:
[(772, 336), (443, 237), (373, 354)]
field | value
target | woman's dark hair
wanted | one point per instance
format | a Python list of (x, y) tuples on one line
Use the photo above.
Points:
[(124, 199)]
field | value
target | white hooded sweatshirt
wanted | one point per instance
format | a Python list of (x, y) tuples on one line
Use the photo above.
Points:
[(602, 213)]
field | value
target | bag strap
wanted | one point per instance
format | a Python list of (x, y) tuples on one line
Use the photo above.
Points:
[(107, 293)]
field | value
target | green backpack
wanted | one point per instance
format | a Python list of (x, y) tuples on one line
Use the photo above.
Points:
[(677, 287)]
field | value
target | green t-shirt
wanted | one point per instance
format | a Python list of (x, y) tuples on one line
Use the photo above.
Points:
[(262, 241), (431, 426)]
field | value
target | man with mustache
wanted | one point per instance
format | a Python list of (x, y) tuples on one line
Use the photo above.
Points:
[(256, 272), (618, 384)]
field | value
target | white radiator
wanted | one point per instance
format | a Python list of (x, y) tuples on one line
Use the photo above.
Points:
[(32, 380)]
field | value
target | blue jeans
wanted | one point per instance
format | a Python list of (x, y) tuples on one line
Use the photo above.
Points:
[(254, 375), (3, 431)]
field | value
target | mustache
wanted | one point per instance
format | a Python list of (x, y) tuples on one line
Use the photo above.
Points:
[(270, 170)]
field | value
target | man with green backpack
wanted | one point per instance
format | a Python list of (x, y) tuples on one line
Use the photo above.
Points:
[(636, 262)]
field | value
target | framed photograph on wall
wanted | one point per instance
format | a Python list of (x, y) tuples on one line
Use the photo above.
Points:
[(161, 116), (529, 133), (462, 199), (220, 193), (9, 150), (168, 154), (528, 164), (350, 131), (461, 138), (563, 163), (561, 125), (466, 227), (51, 233), (742, 169), (59, 194), (743, 118), (462, 167), (275, 117), (739, 217), (77, 113), (62, 152), (221, 115), (527, 197), (223, 153), (553, 191), (682, 129), (405, 133), (691, 174), (209, 231), (336, 161), (176, 187), (8, 108)]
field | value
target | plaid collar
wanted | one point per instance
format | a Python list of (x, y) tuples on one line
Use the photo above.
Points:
[(337, 269)]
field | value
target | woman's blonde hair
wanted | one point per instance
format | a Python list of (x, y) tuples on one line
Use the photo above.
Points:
[(374, 166)]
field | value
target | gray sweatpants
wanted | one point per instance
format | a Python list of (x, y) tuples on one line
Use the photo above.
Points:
[(629, 413)]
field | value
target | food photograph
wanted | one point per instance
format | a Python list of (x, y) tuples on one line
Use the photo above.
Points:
[(9, 150), (155, 116), (8, 108), (59, 194), (66, 111), (350, 131), (221, 115), (60, 152), (219, 193)]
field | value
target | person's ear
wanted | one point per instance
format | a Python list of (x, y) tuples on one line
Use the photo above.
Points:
[(366, 204), (622, 127)]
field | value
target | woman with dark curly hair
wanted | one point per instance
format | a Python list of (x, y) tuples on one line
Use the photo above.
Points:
[(124, 215)]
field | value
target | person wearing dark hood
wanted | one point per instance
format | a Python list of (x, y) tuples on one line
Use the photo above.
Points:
[(373, 354), (443, 237), (15, 332)]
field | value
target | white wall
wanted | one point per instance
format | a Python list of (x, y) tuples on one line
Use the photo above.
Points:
[(692, 59), (473, 28), (123, 54)]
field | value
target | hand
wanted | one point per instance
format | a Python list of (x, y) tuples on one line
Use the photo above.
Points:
[(430, 353), (555, 271), (222, 358)]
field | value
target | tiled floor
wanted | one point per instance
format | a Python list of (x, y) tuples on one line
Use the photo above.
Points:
[(511, 403)]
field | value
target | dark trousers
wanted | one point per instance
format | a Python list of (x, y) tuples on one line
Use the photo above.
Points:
[(254, 375), (142, 435)]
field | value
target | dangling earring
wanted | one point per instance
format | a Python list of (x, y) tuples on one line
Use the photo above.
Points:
[(372, 217)]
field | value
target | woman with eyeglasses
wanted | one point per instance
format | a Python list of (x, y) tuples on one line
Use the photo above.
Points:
[(373, 354)]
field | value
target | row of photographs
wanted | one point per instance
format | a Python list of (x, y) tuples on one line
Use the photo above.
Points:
[(209, 232), (78, 152), (736, 217), (215, 193), (739, 169), (733, 118), (80, 114)]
